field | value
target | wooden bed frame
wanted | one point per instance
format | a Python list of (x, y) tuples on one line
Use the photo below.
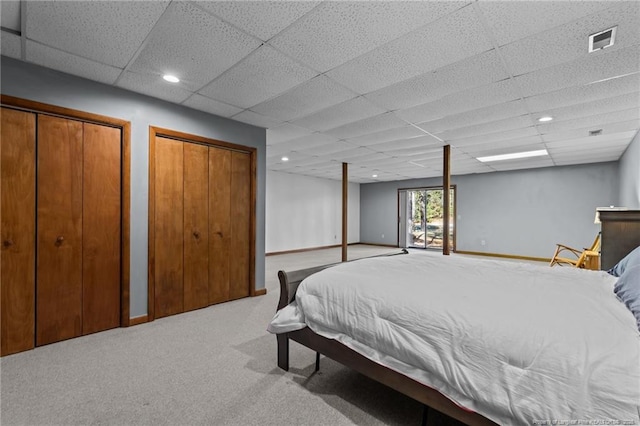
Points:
[(335, 350)]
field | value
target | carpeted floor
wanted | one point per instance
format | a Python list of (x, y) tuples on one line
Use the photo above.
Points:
[(213, 366)]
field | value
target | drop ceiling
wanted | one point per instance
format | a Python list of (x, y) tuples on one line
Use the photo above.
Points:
[(381, 85)]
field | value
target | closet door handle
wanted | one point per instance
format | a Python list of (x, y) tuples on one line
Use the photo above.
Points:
[(196, 234), (59, 240), (7, 243)]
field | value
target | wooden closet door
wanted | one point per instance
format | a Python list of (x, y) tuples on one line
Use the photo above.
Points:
[(17, 212), (196, 226), (101, 228), (219, 224), (59, 235), (240, 225), (169, 227)]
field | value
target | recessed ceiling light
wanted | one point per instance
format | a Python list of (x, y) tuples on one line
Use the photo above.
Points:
[(374, 175), (171, 78), (545, 119), (285, 158), (513, 155)]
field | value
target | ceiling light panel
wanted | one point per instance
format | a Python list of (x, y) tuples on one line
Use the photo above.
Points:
[(211, 106), (263, 19), (104, 31), (370, 125), (336, 32), (315, 95), (262, 75), (472, 72), (526, 163), (584, 93), (182, 41), (569, 42), (11, 45), (335, 116), (530, 143), (71, 64), (581, 71), (467, 100), (511, 21), (153, 85), (459, 36)]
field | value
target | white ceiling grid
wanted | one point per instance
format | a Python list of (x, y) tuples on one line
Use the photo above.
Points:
[(382, 85)]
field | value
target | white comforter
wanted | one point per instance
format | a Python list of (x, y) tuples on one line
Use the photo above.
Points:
[(517, 343)]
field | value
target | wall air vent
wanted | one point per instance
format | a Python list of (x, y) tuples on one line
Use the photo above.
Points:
[(595, 132), (602, 40)]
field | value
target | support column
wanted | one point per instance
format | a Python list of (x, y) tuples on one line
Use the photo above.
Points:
[(345, 201), (446, 197)]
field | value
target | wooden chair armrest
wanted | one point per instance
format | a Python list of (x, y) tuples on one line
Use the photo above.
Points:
[(562, 247)]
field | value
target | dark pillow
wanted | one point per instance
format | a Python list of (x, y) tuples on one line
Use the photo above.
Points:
[(627, 289), (629, 260)]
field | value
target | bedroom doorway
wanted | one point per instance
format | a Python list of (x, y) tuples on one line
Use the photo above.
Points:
[(420, 218)]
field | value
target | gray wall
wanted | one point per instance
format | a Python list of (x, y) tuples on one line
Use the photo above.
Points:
[(39, 84), (630, 175), (306, 212), (523, 212)]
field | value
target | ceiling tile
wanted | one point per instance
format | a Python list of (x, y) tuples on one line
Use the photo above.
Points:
[(509, 20), (512, 148), (593, 145), (506, 124), (335, 32), (477, 116), (211, 106), (503, 145), (71, 64), (584, 121), (406, 144), (495, 137), (456, 36), (10, 15), (593, 108), (181, 44), (263, 19), (466, 100), (109, 32), (591, 140), (314, 95), (154, 86), (367, 126), (624, 126), (386, 136), (352, 110), (285, 132), (11, 45), (564, 159), (475, 71), (597, 66), (326, 149), (584, 93), (256, 119), (570, 42), (262, 75)]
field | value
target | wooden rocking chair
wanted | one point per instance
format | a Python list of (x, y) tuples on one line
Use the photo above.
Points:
[(581, 258)]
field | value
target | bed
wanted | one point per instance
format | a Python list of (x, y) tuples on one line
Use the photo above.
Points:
[(482, 341)]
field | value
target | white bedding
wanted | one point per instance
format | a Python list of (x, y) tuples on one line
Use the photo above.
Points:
[(517, 343)]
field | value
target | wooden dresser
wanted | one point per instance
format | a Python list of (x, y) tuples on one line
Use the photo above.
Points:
[(620, 233)]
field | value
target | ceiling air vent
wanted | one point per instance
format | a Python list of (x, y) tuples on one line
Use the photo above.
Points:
[(603, 39), (595, 132)]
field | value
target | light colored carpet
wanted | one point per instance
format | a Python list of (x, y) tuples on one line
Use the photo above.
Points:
[(213, 366)]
